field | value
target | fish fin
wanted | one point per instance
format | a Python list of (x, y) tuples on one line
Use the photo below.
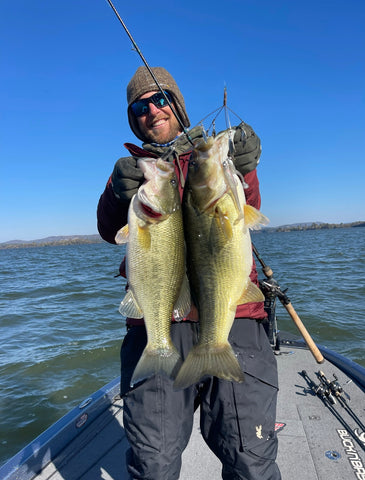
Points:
[(218, 361), (144, 237), (153, 362), (129, 306), (224, 222), (233, 183), (122, 235), (183, 303), (251, 294), (254, 218)]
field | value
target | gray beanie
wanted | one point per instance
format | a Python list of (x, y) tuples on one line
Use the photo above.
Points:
[(142, 82)]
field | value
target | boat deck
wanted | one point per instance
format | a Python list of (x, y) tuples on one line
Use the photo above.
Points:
[(313, 443)]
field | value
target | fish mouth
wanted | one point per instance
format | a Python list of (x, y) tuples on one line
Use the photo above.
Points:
[(146, 206), (208, 197), (149, 211)]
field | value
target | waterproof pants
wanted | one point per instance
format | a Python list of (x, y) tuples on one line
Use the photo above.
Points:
[(237, 420)]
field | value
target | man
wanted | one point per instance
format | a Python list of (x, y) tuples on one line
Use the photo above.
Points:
[(237, 420)]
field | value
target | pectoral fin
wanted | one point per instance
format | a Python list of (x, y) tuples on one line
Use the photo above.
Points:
[(254, 218), (224, 223), (144, 237), (129, 306), (122, 236), (251, 294)]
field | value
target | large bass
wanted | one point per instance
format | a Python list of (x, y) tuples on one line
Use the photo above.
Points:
[(155, 266), (219, 258)]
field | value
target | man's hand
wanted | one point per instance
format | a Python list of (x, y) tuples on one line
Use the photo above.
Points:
[(126, 178), (247, 148)]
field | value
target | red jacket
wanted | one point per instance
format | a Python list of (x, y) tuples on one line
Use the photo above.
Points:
[(112, 215)]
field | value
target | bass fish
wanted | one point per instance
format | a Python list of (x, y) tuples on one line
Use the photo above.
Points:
[(155, 266), (219, 258)]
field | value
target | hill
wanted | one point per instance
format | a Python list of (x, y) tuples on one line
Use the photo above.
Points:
[(50, 241)]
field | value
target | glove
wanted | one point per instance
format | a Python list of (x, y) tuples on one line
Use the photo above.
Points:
[(247, 148), (182, 145), (126, 178)]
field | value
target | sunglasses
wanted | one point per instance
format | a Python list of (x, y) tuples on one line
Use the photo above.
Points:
[(141, 106)]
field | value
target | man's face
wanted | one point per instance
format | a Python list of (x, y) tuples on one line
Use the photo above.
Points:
[(158, 125)]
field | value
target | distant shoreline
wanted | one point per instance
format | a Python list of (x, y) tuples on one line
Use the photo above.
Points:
[(313, 226), (90, 239), (53, 241)]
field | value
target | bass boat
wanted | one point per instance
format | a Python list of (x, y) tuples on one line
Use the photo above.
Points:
[(320, 427)]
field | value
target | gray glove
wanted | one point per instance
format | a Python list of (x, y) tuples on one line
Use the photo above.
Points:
[(126, 178), (247, 148)]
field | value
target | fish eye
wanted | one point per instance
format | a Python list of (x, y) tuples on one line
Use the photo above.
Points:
[(173, 182), (225, 164), (193, 159)]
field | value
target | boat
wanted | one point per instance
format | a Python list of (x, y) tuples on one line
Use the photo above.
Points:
[(320, 427)]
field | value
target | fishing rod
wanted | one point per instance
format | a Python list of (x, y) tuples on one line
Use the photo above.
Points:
[(184, 129), (320, 390), (338, 391), (323, 392), (271, 286)]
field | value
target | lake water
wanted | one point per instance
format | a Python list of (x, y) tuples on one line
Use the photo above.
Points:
[(61, 330)]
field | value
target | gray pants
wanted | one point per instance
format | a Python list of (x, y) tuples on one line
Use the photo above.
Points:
[(237, 420)]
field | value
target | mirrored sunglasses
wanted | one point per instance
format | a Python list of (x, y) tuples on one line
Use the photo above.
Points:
[(141, 106)]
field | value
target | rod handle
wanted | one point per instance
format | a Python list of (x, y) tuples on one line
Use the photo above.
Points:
[(304, 332)]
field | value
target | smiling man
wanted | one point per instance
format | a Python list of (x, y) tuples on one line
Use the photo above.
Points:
[(156, 121), (237, 420), (150, 117)]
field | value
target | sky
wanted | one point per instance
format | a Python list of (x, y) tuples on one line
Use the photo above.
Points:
[(294, 71)]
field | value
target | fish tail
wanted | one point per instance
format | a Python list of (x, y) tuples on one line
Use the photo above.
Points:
[(153, 362), (218, 361)]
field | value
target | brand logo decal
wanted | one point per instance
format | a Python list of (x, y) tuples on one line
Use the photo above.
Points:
[(279, 426), (259, 432), (351, 452), (81, 420)]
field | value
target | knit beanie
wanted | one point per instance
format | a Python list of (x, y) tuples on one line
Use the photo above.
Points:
[(142, 82)]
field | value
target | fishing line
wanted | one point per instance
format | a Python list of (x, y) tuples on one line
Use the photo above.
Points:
[(218, 111), (184, 129)]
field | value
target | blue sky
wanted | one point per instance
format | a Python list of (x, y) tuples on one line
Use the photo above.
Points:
[(294, 70)]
